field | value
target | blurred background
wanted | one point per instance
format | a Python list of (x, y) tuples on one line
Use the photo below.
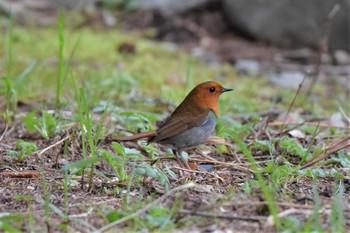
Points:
[(281, 40), (229, 29)]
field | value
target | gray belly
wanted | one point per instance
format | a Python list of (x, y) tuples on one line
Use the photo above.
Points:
[(192, 137)]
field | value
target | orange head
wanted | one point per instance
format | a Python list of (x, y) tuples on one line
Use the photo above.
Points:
[(204, 96)]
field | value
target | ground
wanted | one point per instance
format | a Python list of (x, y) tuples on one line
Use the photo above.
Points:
[(274, 165)]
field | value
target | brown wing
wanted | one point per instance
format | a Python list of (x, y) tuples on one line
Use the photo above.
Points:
[(175, 125)]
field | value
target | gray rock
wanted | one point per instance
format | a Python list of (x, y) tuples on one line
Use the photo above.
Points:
[(287, 79), (338, 120), (341, 57), (294, 23), (248, 67), (208, 57)]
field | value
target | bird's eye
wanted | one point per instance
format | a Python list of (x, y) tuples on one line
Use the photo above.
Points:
[(212, 89)]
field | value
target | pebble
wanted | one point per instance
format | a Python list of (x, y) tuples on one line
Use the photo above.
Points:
[(248, 67)]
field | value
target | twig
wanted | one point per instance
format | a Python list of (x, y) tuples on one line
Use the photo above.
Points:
[(282, 204), (189, 170), (22, 174), (323, 47), (153, 161), (338, 145), (215, 140), (207, 156), (270, 222), (145, 208), (53, 145), (238, 167), (325, 125), (292, 104), (235, 166), (82, 215), (94, 203), (226, 216), (344, 115), (232, 151), (261, 127), (5, 130)]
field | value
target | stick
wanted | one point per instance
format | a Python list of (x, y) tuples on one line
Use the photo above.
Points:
[(236, 166), (282, 204), (190, 170), (53, 145), (344, 115), (325, 125), (226, 216), (338, 145), (21, 174), (5, 130), (323, 46), (292, 103), (270, 222)]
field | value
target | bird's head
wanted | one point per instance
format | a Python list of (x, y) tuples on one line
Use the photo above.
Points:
[(206, 95)]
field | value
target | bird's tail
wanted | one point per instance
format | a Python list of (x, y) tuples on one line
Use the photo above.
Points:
[(135, 137)]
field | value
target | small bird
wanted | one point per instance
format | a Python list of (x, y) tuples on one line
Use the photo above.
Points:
[(192, 122)]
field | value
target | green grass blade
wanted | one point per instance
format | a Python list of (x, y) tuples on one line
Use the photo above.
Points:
[(99, 125), (7, 79), (60, 57), (24, 73), (337, 216), (70, 60), (267, 194)]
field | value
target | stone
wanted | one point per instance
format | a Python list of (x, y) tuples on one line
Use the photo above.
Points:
[(341, 57), (248, 67), (291, 23), (290, 79)]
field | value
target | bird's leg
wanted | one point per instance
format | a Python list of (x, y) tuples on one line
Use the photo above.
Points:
[(181, 160)]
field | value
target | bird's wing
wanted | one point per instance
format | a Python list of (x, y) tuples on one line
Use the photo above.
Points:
[(177, 124)]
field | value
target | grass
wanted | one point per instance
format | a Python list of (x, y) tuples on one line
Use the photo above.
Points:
[(60, 57), (268, 194), (117, 74), (105, 91)]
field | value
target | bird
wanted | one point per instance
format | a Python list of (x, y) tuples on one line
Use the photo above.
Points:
[(191, 123)]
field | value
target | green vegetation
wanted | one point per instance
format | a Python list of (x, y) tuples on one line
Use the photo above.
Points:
[(23, 149)]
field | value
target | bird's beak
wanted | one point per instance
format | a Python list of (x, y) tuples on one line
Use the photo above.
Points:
[(226, 89)]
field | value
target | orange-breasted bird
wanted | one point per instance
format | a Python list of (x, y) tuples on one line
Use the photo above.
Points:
[(192, 122)]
